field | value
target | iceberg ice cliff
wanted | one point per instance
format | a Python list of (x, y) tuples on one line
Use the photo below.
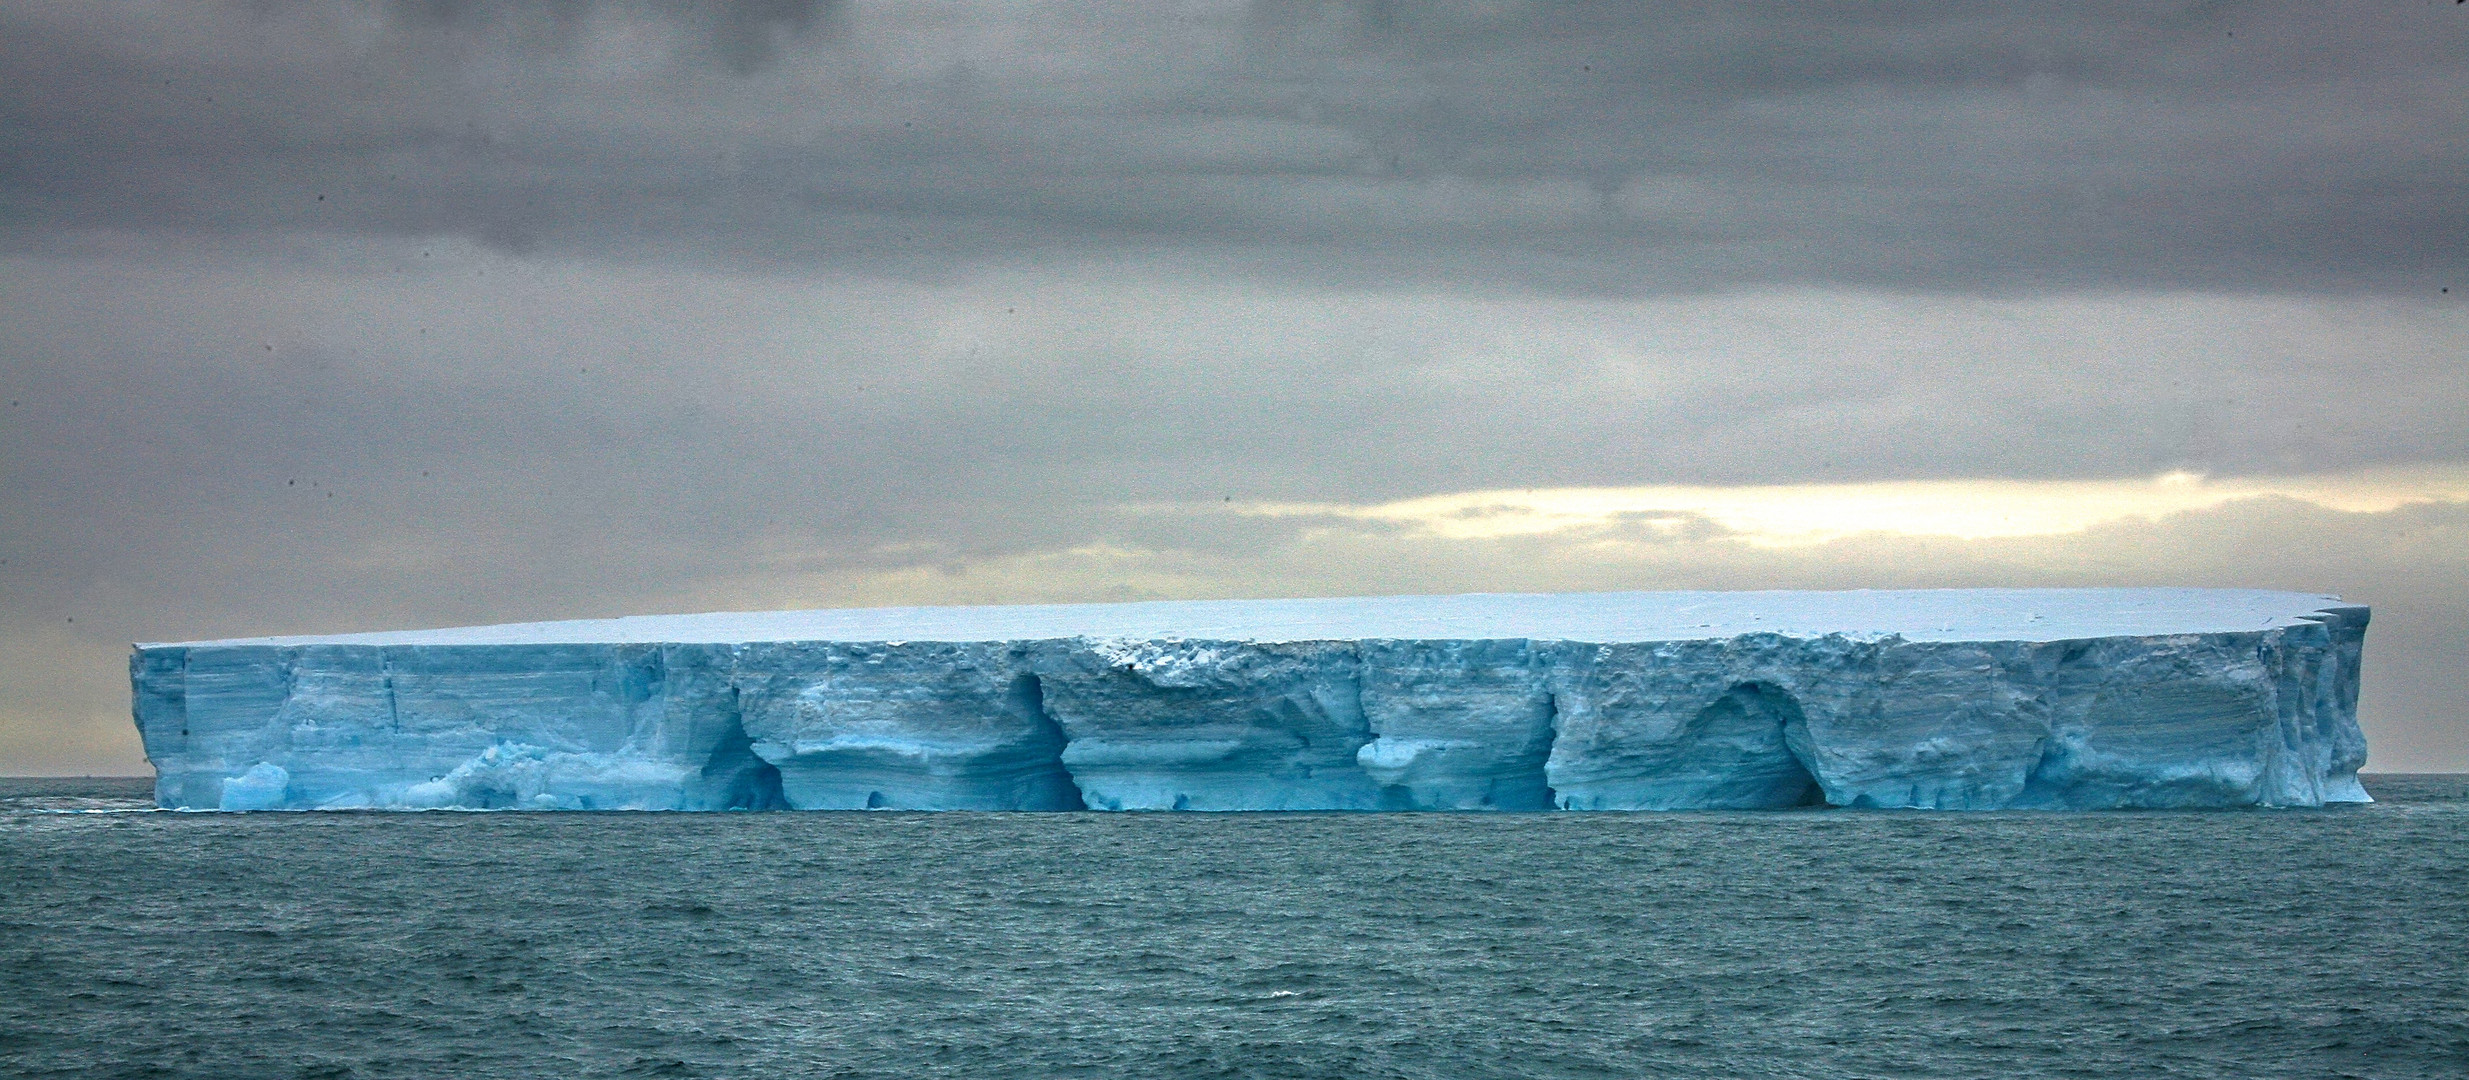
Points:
[(1948, 699)]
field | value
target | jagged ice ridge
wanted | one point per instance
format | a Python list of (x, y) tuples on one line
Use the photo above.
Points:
[(1950, 699)]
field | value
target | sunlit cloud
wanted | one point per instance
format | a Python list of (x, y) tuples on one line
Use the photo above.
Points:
[(1798, 515)]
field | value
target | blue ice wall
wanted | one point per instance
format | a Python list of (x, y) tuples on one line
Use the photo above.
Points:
[(2212, 719)]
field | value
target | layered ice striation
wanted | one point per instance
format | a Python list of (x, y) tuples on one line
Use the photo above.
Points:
[(1950, 699)]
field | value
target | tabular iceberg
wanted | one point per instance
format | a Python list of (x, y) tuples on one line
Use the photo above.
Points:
[(1948, 699)]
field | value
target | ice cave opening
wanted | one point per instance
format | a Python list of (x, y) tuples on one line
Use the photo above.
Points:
[(1766, 721)]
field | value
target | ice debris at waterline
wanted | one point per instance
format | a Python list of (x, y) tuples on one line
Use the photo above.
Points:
[(1953, 699)]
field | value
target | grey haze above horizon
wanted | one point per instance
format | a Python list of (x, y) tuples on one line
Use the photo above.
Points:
[(327, 315)]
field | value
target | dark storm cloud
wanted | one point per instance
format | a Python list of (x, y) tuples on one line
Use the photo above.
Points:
[(1595, 146), (743, 35)]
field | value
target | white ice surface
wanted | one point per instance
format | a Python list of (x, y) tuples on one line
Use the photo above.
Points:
[(1862, 615)]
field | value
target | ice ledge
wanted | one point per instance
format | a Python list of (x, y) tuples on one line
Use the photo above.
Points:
[(1944, 698)]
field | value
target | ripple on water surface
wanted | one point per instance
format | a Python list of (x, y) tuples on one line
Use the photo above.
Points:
[(2230, 944)]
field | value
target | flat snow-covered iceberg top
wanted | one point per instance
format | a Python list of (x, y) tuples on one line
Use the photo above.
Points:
[(1861, 615), (2041, 698)]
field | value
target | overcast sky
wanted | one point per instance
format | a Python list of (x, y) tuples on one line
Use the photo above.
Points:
[(321, 315)]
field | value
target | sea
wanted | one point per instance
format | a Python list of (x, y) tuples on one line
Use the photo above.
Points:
[(1814, 943)]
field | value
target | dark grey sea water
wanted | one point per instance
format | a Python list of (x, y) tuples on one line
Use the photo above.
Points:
[(1822, 944)]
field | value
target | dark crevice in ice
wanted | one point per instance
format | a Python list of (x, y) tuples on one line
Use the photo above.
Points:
[(1027, 696), (745, 781), (394, 703), (2047, 782), (1551, 728)]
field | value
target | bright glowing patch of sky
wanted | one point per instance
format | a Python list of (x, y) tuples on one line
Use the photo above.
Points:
[(1792, 515)]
